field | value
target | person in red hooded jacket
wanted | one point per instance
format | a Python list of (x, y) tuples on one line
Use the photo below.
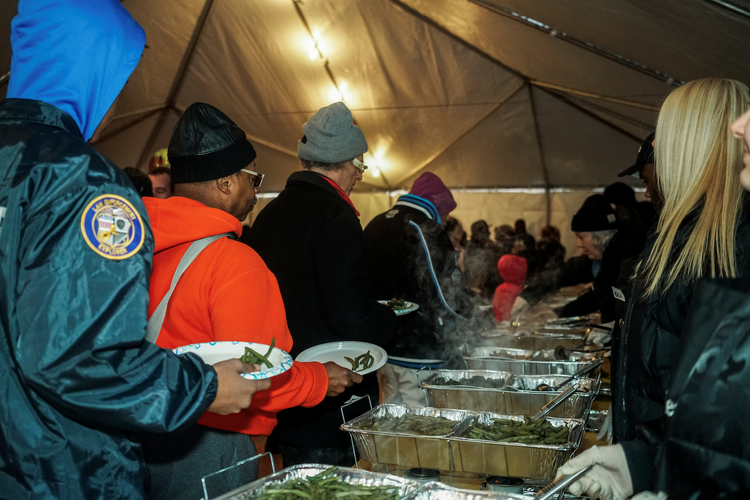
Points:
[(512, 269)]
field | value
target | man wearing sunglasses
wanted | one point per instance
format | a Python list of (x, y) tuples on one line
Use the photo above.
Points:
[(311, 238), (226, 294)]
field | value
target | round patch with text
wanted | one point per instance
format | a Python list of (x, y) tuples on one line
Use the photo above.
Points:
[(112, 227)]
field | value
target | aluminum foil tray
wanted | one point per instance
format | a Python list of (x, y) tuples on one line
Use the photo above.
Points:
[(535, 463), (527, 362), (521, 399), (535, 341), (440, 491), (409, 450), (352, 476)]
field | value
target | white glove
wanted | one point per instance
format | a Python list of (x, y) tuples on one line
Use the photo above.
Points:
[(650, 495), (605, 431), (608, 480)]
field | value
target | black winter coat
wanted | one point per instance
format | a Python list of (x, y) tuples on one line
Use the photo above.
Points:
[(647, 349), (707, 444), (399, 269), (311, 239)]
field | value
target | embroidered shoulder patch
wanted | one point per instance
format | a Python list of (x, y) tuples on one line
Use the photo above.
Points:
[(112, 227)]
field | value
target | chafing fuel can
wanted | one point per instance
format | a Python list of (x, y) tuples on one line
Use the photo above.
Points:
[(504, 484), (422, 475)]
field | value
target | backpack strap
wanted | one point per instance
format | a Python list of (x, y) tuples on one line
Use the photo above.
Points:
[(157, 319)]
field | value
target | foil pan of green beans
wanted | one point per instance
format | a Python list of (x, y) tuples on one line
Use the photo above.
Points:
[(473, 445), (323, 482), (504, 392), (526, 361)]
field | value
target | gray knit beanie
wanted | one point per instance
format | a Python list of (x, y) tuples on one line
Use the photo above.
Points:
[(331, 136)]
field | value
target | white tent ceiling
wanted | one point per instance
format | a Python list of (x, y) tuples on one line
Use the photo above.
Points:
[(485, 93)]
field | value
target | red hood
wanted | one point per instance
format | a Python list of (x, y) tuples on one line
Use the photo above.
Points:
[(178, 220), (512, 269)]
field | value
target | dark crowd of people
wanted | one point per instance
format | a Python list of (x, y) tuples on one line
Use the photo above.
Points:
[(105, 271)]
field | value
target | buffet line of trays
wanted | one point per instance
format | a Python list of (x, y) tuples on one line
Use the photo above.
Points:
[(477, 421), (345, 483)]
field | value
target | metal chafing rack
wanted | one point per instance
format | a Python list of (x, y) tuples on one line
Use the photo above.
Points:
[(518, 397), (430, 452), (527, 362), (534, 462)]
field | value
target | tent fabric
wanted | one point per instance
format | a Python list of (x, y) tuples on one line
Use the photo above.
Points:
[(485, 93)]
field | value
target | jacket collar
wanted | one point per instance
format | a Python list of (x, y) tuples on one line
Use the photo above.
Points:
[(26, 110), (308, 177)]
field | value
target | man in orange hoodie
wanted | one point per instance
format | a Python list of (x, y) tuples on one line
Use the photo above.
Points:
[(226, 294)]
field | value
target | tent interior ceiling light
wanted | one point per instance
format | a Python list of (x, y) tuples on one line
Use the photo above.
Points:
[(669, 80)]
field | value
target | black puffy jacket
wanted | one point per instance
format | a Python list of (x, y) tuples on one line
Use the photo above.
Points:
[(647, 350), (707, 445)]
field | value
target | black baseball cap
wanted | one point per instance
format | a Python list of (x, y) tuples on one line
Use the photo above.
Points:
[(645, 156)]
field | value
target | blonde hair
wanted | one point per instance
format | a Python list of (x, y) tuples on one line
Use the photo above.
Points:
[(697, 160)]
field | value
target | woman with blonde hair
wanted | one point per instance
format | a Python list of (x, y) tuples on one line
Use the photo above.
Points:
[(703, 232)]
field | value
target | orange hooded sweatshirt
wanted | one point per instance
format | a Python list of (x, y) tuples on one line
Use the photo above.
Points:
[(227, 293)]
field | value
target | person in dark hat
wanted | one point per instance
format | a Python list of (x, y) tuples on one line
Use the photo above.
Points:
[(643, 168), (311, 239), (603, 243), (403, 245), (226, 294)]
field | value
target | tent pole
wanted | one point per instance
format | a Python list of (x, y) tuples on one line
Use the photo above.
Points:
[(583, 93), (177, 83), (464, 133), (593, 115), (540, 148), (456, 38), (581, 44)]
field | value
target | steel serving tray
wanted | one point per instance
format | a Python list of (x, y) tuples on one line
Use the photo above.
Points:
[(535, 463), (440, 491), (527, 362), (534, 341), (431, 452), (352, 476), (522, 399)]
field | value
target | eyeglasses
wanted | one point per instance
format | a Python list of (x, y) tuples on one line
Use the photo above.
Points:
[(359, 165), (256, 178)]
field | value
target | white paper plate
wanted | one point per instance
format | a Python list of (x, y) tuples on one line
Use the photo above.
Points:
[(410, 307), (336, 352), (213, 352)]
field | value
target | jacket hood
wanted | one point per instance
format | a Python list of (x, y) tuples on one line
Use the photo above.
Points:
[(512, 269), (178, 220), (76, 55)]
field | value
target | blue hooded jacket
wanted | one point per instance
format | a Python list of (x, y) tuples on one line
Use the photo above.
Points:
[(75, 55), (78, 380)]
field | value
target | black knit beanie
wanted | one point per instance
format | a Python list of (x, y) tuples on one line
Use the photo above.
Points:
[(207, 145), (596, 214)]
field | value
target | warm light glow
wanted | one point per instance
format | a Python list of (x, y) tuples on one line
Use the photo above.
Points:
[(375, 171), (313, 54), (334, 95)]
